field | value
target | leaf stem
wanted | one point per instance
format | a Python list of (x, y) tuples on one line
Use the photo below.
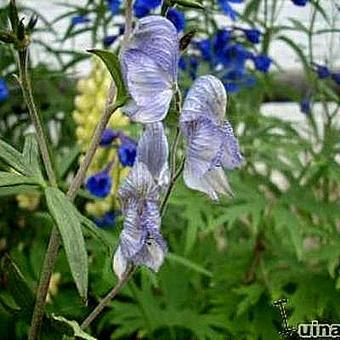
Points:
[(103, 303)]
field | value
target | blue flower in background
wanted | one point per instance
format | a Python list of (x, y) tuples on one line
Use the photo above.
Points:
[(79, 19), (142, 8), (127, 151), (106, 221), (4, 91), (305, 105), (99, 185), (234, 79), (300, 2), (108, 137), (336, 77), (114, 6), (262, 62), (227, 9), (253, 35), (204, 46), (177, 18), (109, 40), (322, 71)]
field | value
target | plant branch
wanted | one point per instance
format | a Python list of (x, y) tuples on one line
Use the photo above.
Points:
[(128, 22), (103, 303)]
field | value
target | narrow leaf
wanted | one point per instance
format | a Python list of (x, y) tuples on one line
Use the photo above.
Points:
[(12, 157), (31, 156), (113, 65), (12, 179), (72, 328), (66, 218), (17, 285)]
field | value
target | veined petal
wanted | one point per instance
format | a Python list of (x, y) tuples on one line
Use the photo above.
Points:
[(214, 182), (207, 97), (139, 185), (150, 87), (153, 151), (157, 37), (119, 263)]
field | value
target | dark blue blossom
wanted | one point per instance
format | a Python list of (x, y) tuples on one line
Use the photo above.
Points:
[(127, 152), (4, 91), (106, 221), (236, 78), (336, 77), (182, 63), (305, 105), (108, 137), (142, 8), (253, 35), (177, 18), (100, 184), (262, 62), (79, 19), (322, 71), (205, 48), (300, 2), (114, 6), (109, 40), (228, 9), (211, 144)]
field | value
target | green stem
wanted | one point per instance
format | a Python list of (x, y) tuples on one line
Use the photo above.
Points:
[(104, 302)]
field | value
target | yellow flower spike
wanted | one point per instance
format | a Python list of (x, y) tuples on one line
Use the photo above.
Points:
[(29, 201), (89, 106)]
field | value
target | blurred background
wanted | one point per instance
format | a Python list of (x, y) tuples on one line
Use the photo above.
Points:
[(228, 261)]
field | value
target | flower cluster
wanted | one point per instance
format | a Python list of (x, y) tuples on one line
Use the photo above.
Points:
[(4, 91), (149, 64), (324, 72), (104, 174), (227, 56)]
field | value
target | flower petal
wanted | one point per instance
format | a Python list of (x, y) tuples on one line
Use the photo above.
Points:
[(157, 37), (119, 263), (207, 97), (149, 86), (139, 185), (153, 151)]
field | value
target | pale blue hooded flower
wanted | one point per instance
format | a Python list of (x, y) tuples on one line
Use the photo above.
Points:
[(150, 64), (211, 144), (141, 242), (153, 150)]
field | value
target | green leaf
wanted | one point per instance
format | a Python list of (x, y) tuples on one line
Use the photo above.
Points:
[(72, 328), (252, 295), (189, 264), (12, 157), (31, 156), (189, 4), (12, 179), (64, 162), (17, 285), (113, 65), (67, 219)]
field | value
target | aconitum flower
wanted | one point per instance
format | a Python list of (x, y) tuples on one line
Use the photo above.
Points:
[(127, 151), (150, 66), (300, 2), (227, 9), (262, 62), (4, 91), (108, 137), (253, 35), (177, 18), (211, 144), (100, 184), (153, 150), (114, 6), (140, 242), (79, 19)]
